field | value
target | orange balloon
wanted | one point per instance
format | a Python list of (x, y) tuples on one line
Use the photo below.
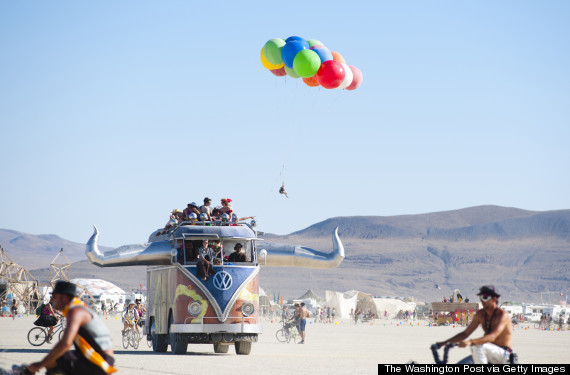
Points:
[(338, 57), (311, 81)]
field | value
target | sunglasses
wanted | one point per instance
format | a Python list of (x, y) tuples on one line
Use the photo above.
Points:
[(485, 298)]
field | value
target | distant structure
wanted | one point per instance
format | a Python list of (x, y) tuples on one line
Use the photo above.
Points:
[(16, 282), (62, 271), (59, 271)]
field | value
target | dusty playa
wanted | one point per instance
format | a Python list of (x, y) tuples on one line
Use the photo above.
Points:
[(332, 349)]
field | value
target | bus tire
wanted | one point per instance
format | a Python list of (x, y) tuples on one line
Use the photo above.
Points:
[(221, 348), (178, 344), (159, 342), (243, 347)]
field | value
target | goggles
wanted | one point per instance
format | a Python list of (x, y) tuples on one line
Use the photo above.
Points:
[(485, 298)]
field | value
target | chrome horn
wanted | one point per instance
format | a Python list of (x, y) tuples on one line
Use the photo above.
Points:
[(281, 255), (129, 255)]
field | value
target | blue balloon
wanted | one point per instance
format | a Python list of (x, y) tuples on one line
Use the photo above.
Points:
[(290, 50), (297, 39), (324, 53)]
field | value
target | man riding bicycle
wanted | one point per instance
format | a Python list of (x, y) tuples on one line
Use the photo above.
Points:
[(85, 330), (495, 346)]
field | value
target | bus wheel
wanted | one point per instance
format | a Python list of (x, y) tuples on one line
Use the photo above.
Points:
[(178, 344), (221, 348), (159, 342), (243, 347)]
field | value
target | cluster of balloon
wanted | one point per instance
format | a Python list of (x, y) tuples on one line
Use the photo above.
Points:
[(310, 60)]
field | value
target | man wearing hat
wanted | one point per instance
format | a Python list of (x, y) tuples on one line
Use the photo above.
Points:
[(495, 345), (175, 218), (85, 330)]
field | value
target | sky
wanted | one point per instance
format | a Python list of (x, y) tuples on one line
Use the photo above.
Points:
[(115, 113)]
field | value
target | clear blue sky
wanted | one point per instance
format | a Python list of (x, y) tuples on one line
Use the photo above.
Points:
[(115, 113)]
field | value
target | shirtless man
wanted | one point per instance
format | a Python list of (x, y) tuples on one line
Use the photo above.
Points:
[(495, 346), (303, 315)]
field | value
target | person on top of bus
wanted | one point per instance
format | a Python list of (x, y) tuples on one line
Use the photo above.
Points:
[(207, 207), (191, 208)]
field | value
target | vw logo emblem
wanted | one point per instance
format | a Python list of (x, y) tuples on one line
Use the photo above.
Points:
[(222, 280)]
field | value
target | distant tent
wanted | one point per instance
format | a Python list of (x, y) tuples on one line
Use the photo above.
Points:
[(392, 305), (309, 294), (97, 287)]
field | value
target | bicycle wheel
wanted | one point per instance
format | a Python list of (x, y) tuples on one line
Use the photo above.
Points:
[(281, 335), (135, 339), (296, 337), (37, 336), (60, 334), (126, 335)]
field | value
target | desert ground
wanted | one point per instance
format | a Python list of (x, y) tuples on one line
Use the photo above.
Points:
[(340, 348)]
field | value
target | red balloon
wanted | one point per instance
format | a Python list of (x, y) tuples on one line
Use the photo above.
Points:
[(279, 72), (356, 78), (311, 81), (330, 74)]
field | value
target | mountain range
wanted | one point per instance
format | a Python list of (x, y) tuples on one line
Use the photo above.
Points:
[(525, 254)]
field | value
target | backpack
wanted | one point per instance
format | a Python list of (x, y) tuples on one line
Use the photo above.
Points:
[(40, 309)]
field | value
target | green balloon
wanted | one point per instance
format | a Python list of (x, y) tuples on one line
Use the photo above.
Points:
[(306, 63), (272, 50), (290, 72), (314, 42)]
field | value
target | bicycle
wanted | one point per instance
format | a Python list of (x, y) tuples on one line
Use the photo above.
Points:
[(513, 358), (294, 335), (37, 336), (131, 336)]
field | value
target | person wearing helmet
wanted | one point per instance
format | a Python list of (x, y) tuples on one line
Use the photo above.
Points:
[(129, 317)]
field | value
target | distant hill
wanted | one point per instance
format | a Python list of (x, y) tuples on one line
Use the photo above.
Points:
[(35, 251), (526, 254)]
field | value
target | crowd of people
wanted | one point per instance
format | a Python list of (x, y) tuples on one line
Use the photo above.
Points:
[(360, 315), (206, 253), (325, 315), (548, 322), (193, 212), (453, 298)]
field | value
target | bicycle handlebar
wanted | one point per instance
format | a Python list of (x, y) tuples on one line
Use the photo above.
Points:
[(445, 353)]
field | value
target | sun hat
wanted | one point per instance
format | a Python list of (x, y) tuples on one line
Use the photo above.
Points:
[(488, 290), (65, 287)]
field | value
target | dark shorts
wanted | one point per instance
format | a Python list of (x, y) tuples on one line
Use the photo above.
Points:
[(73, 363), (302, 324)]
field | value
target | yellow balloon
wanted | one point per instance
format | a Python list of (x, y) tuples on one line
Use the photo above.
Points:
[(269, 65)]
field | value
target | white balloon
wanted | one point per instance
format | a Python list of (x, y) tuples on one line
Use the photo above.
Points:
[(347, 77)]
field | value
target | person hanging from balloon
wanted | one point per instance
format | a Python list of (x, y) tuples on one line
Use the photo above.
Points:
[(282, 190)]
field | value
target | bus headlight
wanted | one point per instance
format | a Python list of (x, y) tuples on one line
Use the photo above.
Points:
[(247, 308), (194, 308)]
